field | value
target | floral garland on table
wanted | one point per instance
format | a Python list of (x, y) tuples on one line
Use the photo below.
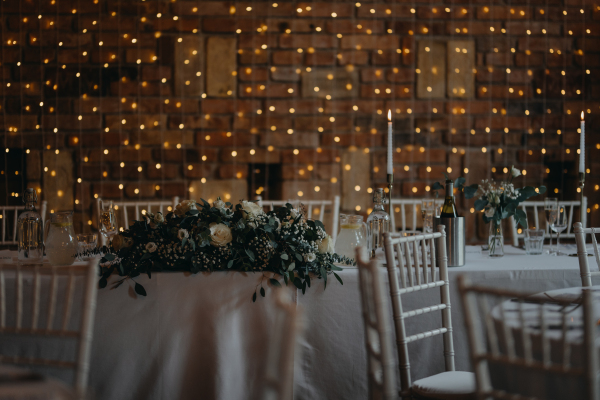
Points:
[(200, 237)]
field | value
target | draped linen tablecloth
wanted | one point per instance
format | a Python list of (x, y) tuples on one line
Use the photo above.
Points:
[(201, 336)]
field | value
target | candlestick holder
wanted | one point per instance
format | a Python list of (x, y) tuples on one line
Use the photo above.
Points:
[(581, 185), (390, 179)]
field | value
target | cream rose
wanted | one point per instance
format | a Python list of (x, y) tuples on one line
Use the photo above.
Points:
[(159, 218), (252, 210), (184, 207), (151, 247), (220, 234), (183, 234), (219, 203), (490, 211), (326, 245)]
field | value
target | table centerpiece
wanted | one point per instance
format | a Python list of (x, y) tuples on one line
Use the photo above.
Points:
[(500, 200), (198, 236)]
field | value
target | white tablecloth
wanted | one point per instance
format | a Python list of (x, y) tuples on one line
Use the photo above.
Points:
[(200, 336)]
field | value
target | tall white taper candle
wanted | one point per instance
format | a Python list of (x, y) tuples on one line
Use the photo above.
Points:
[(582, 146), (390, 161)]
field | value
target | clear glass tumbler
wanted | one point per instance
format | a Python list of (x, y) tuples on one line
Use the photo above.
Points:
[(534, 241)]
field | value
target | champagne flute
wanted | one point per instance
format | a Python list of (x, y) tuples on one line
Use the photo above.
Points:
[(559, 225), (427, 209), (551, 209), (108, 220)]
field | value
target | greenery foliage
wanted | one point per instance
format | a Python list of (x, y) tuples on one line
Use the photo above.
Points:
[(198, 237)]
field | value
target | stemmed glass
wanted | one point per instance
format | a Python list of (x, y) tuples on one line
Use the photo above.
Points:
[(87, 242), (559, 225), (427, 210), (551, 210), (108, 220)]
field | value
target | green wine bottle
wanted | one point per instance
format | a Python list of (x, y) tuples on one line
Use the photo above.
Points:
[(449, 208)]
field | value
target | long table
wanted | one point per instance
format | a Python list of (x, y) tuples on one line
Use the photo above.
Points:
[(201, 336)]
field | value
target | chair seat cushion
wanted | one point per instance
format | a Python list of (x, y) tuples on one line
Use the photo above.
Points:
[(451, 385)]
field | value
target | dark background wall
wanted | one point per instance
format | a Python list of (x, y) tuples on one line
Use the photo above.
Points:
[(153, 99)]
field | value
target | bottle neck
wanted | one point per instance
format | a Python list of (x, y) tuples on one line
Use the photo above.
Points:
[(450, 190)]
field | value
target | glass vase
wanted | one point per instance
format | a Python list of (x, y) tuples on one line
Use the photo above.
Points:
[(496, 239)]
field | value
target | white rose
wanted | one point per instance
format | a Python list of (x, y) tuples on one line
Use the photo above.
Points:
[(252, 210), (220, 234), (183, 234), (514, 172), (219, 203), (310, 257), (293, 213), (159, 218), (184, 207), (490, 211), (151, 247), (278, 223), (326, 245)]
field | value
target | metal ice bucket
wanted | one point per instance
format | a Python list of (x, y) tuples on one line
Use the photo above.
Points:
[(455, 239)]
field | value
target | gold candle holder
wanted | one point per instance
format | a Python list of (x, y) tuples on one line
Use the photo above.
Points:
[(390, 179), (581, 185)]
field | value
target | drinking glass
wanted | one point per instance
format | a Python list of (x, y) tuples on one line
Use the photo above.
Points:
[(427, 211), (108, 219), (551, 209), (86, 242), (559, 225), (534, 241)]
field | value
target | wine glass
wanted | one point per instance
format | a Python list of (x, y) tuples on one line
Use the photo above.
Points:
[(108, 220), (87, 242), (427, 210), (551, 210), (559, 225)]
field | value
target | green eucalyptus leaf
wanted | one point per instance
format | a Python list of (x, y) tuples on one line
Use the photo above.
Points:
[(284, 256), (470, 191), (139, 289), (338, 278), (102, 283), (262, 291), (437, 186), (480, 204), (274, 282)]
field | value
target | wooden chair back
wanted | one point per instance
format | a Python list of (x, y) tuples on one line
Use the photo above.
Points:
[(8, 221), (50, 302), (129, 211), (535, 207), (527, 343), (401, 206), (584, 268), (279, 377), (315, 209), (381, 368), (409, 258)]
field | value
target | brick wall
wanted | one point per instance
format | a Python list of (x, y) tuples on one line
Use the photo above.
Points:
[(154, 99)]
